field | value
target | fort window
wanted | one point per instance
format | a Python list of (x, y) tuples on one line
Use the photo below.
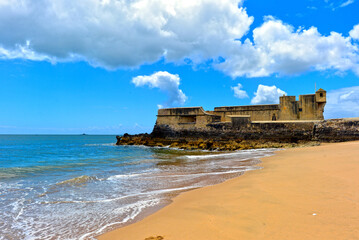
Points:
[(274, 118), (321, 94), (300, 109)]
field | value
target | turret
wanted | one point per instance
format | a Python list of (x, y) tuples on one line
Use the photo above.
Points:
[(321, 99), (321, 96)]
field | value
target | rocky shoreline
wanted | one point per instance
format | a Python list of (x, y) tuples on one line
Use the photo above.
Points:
[(206, 144), (257, 135)]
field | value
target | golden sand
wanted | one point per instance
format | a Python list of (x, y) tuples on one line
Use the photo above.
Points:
[(301, 193)]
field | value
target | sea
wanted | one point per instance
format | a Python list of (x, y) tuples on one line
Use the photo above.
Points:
[(81, 186)]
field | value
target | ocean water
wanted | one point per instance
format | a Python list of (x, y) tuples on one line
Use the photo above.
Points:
[(79, 186)]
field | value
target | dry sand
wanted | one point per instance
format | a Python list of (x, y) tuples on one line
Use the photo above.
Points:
[(301, 193)]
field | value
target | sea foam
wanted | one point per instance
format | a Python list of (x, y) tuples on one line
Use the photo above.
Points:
[(78, 187)]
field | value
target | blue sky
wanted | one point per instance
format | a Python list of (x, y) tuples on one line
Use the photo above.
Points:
[(105, 67)]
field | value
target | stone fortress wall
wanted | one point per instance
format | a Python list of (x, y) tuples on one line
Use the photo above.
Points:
[(289, 123), (309, 108)]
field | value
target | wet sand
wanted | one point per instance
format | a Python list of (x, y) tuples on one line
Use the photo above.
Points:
[(301, 193)]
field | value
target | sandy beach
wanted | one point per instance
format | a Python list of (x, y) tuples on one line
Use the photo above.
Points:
[(301, 193)]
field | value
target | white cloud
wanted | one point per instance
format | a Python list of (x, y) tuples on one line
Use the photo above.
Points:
[(24, 52), (347, 96), (238, 93), (342, 103), (279, 48), (166, 82), (354, 33), (335, 4), (346, 3), (267, 95), (126, 33), (312, 8)]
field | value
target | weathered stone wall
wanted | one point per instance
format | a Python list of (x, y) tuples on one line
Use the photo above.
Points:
[(240, 121), (326, 131), (185, 118), (321, 99), (288, 108), (309, 107), (257, 112)]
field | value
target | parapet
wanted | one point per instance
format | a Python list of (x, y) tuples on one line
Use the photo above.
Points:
[(283, 99), (181, 111), (247, 108)]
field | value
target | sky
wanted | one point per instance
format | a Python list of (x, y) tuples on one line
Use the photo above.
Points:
[(107, 66)]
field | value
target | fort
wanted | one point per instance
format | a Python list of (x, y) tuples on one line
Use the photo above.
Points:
[(309, 108), (288, 123)]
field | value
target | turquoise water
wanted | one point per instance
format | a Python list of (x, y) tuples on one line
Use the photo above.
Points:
[(77, 187)]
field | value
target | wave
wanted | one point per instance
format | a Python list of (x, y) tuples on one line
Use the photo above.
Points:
[(77, 180), (151, 193), (236, 170), (125, 176), (73, 182), (7, 175), (100, 144), (41, 169), (268, 151), (241, 170)]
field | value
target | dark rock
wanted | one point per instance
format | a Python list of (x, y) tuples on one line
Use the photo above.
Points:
[(256, 135)]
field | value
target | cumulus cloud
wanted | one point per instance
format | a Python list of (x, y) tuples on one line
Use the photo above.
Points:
[(279, 48), (166, 82), (354, 33), (267, 95), (342, 103), (238, 92), (129, 33), (112, 33)]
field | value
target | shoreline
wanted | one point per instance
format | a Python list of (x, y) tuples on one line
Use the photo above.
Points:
[(249, 163), (300, 193)]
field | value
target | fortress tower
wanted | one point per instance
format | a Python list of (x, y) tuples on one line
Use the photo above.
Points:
[(309, 107)]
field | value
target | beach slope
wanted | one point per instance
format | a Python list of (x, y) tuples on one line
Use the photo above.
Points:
[(301, 193)]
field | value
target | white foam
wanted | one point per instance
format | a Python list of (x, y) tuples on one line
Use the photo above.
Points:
[(208, 173), (31, 220), (261, 153), (132, 211), (150, 193), (125, 176), (100, 144)]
